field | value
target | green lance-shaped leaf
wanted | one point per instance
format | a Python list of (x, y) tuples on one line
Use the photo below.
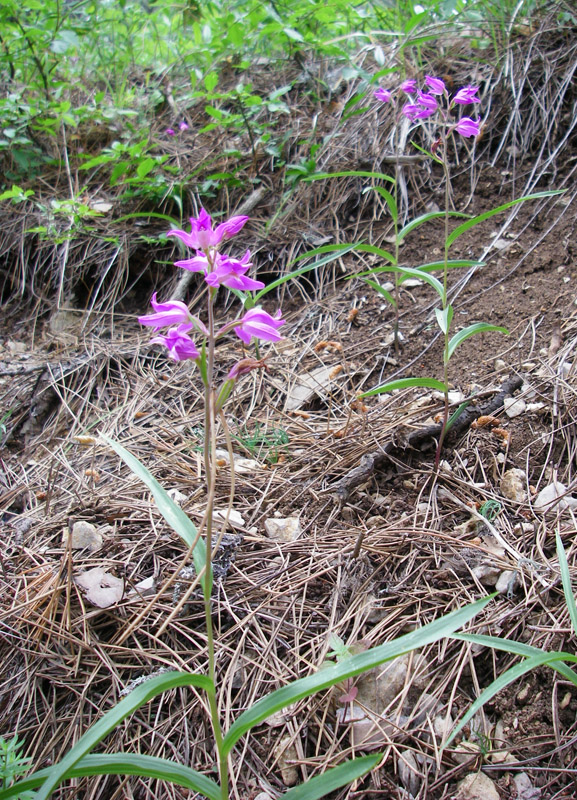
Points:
[(325, 678), (507, 678), (335, 251), (124, 764), (333, 779), (388, 198), (354, 173), (422, 276), (488, 214), (433, 266), (97, 732), (415, 223), (444, 317), (516, 648), (406, 383), (376, 251), (566, 581), (171, 512), (383, 292), (471, 330)]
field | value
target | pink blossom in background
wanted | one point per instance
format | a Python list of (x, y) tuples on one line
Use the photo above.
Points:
[(409, 86), (180, 346), (170, 132), (468, 127), (436, 85), (383, 95), (467, 95), (171, 313), (182, 126), (261, 325)]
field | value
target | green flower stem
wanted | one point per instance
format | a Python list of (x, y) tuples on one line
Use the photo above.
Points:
[(444, 304), (210, 473)]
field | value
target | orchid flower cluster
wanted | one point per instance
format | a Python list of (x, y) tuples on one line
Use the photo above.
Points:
[(218, 270), (422, 104)]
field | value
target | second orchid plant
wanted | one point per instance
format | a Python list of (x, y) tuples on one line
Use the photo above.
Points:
[(436, 104)]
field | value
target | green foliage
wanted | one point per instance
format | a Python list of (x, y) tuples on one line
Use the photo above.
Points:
[(13, 765), (263, 443)]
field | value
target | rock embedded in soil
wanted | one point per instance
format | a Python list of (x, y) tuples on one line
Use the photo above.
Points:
[(85, 536), (513, 485), (477, 787), (409, 771), (283, 530)]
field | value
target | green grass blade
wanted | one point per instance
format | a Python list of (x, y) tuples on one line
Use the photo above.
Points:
[(422, 276), (406, 383), (472, 330), (504, 680), (125, 764), (430, 215), (488, 214), (516, 648), (333, 779), (145, 214), (383, 292), (97, 732), (452, 264), (566, 580), (338, 251), (170, 510), (354, 173), (389, 200), (325, 678), (377, 251)]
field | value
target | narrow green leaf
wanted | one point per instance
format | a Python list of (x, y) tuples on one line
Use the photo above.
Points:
[(488, 214), (284, 278), (325, 678), (171, 512), (97, 732), (504, 680), (472, 330), (389, 200), (377, 251), (566, 581), (333, 779), (415, 223), (433, 266), (516, 648), (144, 214), (455, 415), (383, 292), (124, 764), (355, 173), (422, 276), (444, 317), (406, 383)]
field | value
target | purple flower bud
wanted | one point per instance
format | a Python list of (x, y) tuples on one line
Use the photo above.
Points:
[(428, 101), (467, 95), (180, 345), (436, 85), (468, 127), (170, 132), (171, 313), (228, 229), (409, 86), (259, 324), (383, 95), (182, 126)]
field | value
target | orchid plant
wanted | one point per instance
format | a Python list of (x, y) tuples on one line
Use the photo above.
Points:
[(418, 105), (187, 337)]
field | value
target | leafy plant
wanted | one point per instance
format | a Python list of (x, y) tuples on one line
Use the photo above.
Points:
[(13, 764)]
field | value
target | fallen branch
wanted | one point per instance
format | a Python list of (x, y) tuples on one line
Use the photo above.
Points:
[(418, 439)]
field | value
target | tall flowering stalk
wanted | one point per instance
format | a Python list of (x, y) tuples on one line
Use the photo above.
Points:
[(180, 325)]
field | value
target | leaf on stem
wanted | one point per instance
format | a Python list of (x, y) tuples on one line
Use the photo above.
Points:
[(471, 330), (389, 200), (96, 733), (444, 317), (171, 512), (566, 581), (410, 226), (354, 173), (333, 779), (124, 764), (383, 292), (406, 383), (325, 678), (482, 217)]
